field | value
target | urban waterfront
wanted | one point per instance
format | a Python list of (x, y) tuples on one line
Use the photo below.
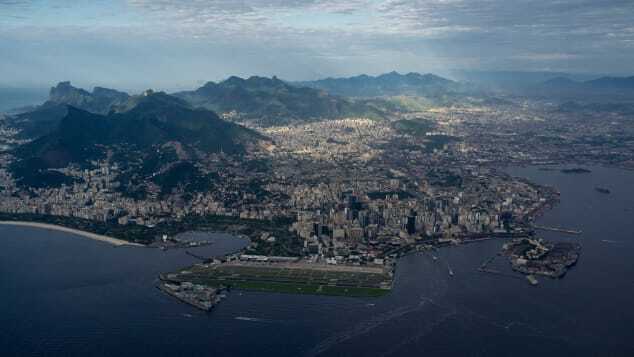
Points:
[(64, 295)]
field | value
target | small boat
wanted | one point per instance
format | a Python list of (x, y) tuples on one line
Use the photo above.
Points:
[(434, 257), (250, 319), (532, 280), (450, 272)]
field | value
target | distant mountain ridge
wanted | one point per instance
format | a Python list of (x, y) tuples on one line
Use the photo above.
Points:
[(273, 100), (389, 84), (99, 101), (603, 88), (44, 118), (612, 83)]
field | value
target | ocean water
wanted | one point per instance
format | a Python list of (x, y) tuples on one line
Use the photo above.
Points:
[(64, 295)]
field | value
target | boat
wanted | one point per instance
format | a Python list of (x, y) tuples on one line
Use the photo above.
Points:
[(251, 319), (450, 272), (532, 280)]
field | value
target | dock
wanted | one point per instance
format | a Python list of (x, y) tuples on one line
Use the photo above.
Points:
[(499, 273), (484, 268)]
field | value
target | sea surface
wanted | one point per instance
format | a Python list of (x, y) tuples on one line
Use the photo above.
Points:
[(63, 295)]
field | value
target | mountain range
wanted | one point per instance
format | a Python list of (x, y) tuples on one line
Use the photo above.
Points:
[(389, 84), (99, 101), (269, 100), (274, 101), (44, 118), (600, 89), (147, 124), (154, 119)]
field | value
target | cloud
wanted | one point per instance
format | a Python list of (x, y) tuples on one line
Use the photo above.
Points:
[(546, 56), (300, 39)]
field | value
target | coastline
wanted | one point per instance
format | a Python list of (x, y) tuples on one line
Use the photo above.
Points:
[(113, 241)]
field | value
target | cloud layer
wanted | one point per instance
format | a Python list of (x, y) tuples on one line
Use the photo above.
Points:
[(301, 39)]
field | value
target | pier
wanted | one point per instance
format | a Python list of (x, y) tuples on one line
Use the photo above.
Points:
[(484, 268), (200, 257)]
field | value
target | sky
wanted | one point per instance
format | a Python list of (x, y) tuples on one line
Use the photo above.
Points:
[(178, 44)]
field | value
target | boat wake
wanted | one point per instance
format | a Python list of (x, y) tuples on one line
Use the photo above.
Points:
[(250, 319), (366, 327)]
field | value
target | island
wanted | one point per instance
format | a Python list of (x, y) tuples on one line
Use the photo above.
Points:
[(535, 256)]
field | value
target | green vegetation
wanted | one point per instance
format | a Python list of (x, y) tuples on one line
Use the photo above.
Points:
[(154, 161), (418, 127), (33, 173), (438, 142), (444, 178), (188, 176), (308, 289), (411, 103)]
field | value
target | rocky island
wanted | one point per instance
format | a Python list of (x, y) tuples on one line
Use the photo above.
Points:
[(535, 256)]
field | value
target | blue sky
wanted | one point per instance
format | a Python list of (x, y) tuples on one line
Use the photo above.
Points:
[(170, 44)]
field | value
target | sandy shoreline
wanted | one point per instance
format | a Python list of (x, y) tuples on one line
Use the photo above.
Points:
[(93, 236)]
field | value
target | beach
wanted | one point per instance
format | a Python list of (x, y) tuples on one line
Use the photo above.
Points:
[(93, 236)]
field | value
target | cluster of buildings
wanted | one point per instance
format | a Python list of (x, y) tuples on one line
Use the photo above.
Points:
[(541, 133), (354, 188)]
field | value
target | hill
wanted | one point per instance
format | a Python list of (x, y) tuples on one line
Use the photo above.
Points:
[(150, 135), (273, 101)]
